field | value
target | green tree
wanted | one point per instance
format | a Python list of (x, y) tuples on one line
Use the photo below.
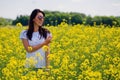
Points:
[(89, 20), (76, 18), (5, 22), (23, 19)]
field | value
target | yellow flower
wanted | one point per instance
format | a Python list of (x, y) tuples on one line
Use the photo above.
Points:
[(31, 61), (29, 48), (23, 78), (19, 24), (77, 52), (45, 48)]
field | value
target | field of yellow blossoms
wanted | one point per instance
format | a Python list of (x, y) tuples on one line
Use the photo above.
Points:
[(78, 52)]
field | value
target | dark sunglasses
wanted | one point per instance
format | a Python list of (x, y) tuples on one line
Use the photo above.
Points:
[(40, 17)]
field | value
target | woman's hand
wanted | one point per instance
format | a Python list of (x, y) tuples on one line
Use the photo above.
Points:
[(34, 48), (48, 40)]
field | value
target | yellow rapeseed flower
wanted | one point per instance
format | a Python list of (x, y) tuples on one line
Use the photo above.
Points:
[(45, 48), (19, 24), (30, 48)]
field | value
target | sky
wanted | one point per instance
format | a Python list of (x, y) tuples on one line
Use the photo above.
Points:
[(13, 8)]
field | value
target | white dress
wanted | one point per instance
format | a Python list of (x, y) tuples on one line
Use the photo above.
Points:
[(37, 58)]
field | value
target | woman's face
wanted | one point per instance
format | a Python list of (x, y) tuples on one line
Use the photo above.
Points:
[(39, 19)]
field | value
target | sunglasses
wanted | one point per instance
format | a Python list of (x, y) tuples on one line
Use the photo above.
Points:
[(40, 17)]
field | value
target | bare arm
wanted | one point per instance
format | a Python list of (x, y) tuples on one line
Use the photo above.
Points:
[(34, 48)]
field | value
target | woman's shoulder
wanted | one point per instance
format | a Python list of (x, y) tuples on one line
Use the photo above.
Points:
[(24, 32), (46, 30)]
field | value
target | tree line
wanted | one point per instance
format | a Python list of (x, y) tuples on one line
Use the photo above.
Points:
[(55, 17)]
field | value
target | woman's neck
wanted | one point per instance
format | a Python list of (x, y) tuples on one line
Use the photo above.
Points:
[(36, 28)]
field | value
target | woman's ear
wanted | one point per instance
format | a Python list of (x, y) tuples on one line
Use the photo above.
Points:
[(33, 20)]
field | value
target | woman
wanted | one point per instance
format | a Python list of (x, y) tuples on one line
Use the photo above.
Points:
[(34, 39)]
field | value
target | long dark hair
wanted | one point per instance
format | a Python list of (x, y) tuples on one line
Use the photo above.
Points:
[(42, 31)]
